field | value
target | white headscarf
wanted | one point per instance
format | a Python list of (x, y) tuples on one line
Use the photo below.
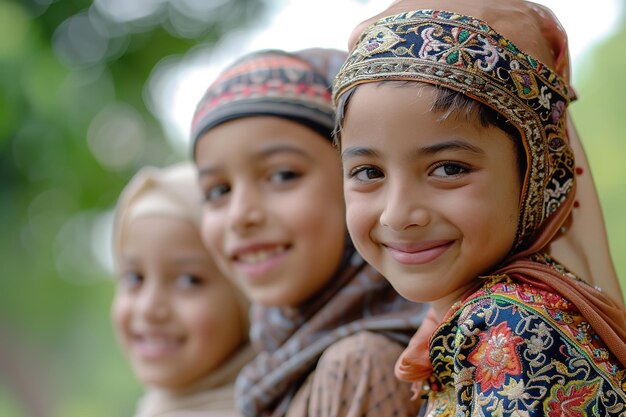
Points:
[(174, 191)]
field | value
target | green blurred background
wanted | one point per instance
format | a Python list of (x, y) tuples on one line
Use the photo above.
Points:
[(76, 122)]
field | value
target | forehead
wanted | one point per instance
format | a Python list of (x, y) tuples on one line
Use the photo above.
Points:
[(155, 232), (392, 116), (254, 138), (382, 108), (164, 241)]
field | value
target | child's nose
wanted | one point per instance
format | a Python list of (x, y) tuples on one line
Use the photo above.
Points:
[(246, 210), (153, 303), (404, 209)]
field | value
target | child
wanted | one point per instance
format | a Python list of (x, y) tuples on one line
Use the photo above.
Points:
[(456, 177), (582, 243), (327, 328), (181, 323)]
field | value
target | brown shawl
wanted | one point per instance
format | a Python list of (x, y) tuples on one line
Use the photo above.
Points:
[(290, 341)]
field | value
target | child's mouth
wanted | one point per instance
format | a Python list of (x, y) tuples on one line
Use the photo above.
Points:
[(260, 260), (417, 253), (151, 347)]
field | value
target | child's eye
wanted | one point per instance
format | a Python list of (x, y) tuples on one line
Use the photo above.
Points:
[(188, 281), (449, 170), (131, 280), (365, 173), (284, 175), (215, 192)]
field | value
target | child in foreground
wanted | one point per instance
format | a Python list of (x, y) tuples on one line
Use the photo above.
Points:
[(327, 327), (582, 243), (181, 323), (457, 175)]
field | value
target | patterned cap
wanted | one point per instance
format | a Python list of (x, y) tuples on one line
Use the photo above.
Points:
[(268, 83), (464, 54)]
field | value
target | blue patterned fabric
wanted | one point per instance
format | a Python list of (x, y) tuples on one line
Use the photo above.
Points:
[(512, 349)]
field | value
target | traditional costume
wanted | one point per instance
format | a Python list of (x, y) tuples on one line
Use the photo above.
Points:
[(531, 338)]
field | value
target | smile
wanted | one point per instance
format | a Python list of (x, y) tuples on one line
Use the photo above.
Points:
[(417, 253), (262, 255), (155, 347), (260, 260)]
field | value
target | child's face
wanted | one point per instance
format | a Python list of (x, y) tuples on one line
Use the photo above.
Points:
[(175, 315), (431, 204), (274, 213)]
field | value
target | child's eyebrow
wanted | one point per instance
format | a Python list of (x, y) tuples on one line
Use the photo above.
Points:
[(355, 151), (451, 145), (206, 171), (129, 259), (283, 148), (264, 152), (189, 260)]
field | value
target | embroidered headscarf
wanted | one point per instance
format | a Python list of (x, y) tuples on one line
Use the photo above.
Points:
[(174, 192), (465, 54), (272, 83), (290, 340)]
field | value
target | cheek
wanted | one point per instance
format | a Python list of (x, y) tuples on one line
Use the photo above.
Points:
[(360, 216), (213, 318), (212, 229), (120, 313), (488, 224), (317, 209)]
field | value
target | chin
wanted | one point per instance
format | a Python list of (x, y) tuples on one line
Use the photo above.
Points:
[(268, 298), (411, 292)]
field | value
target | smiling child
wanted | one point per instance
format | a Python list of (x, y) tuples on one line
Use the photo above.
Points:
[(181, 323), (328, 329), (457, 175)]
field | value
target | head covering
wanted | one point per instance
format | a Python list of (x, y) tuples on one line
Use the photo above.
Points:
[(295, 86), (171, 191), (174, 192), (466, 54)]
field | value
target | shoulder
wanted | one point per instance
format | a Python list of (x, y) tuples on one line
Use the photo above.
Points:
[(360, 347), (523, 317), (512, 339), (502, 298), (355, 377)]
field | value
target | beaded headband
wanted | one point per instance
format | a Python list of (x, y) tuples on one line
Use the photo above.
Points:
[(464, 54)]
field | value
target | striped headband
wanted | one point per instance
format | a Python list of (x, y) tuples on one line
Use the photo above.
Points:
[(267, 83)]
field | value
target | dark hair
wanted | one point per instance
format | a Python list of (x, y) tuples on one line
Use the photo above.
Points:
[(450, 103)]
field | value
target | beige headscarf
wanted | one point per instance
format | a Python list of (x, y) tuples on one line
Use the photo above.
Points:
[(174, 191)]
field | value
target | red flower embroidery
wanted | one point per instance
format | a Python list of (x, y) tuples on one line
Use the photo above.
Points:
[(495, 357), (571, 400)]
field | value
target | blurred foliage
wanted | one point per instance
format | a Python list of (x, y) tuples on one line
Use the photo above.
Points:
[(600, 117), (74, 126)]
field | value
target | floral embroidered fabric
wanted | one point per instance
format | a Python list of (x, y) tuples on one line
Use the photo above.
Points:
[(512, 349)]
